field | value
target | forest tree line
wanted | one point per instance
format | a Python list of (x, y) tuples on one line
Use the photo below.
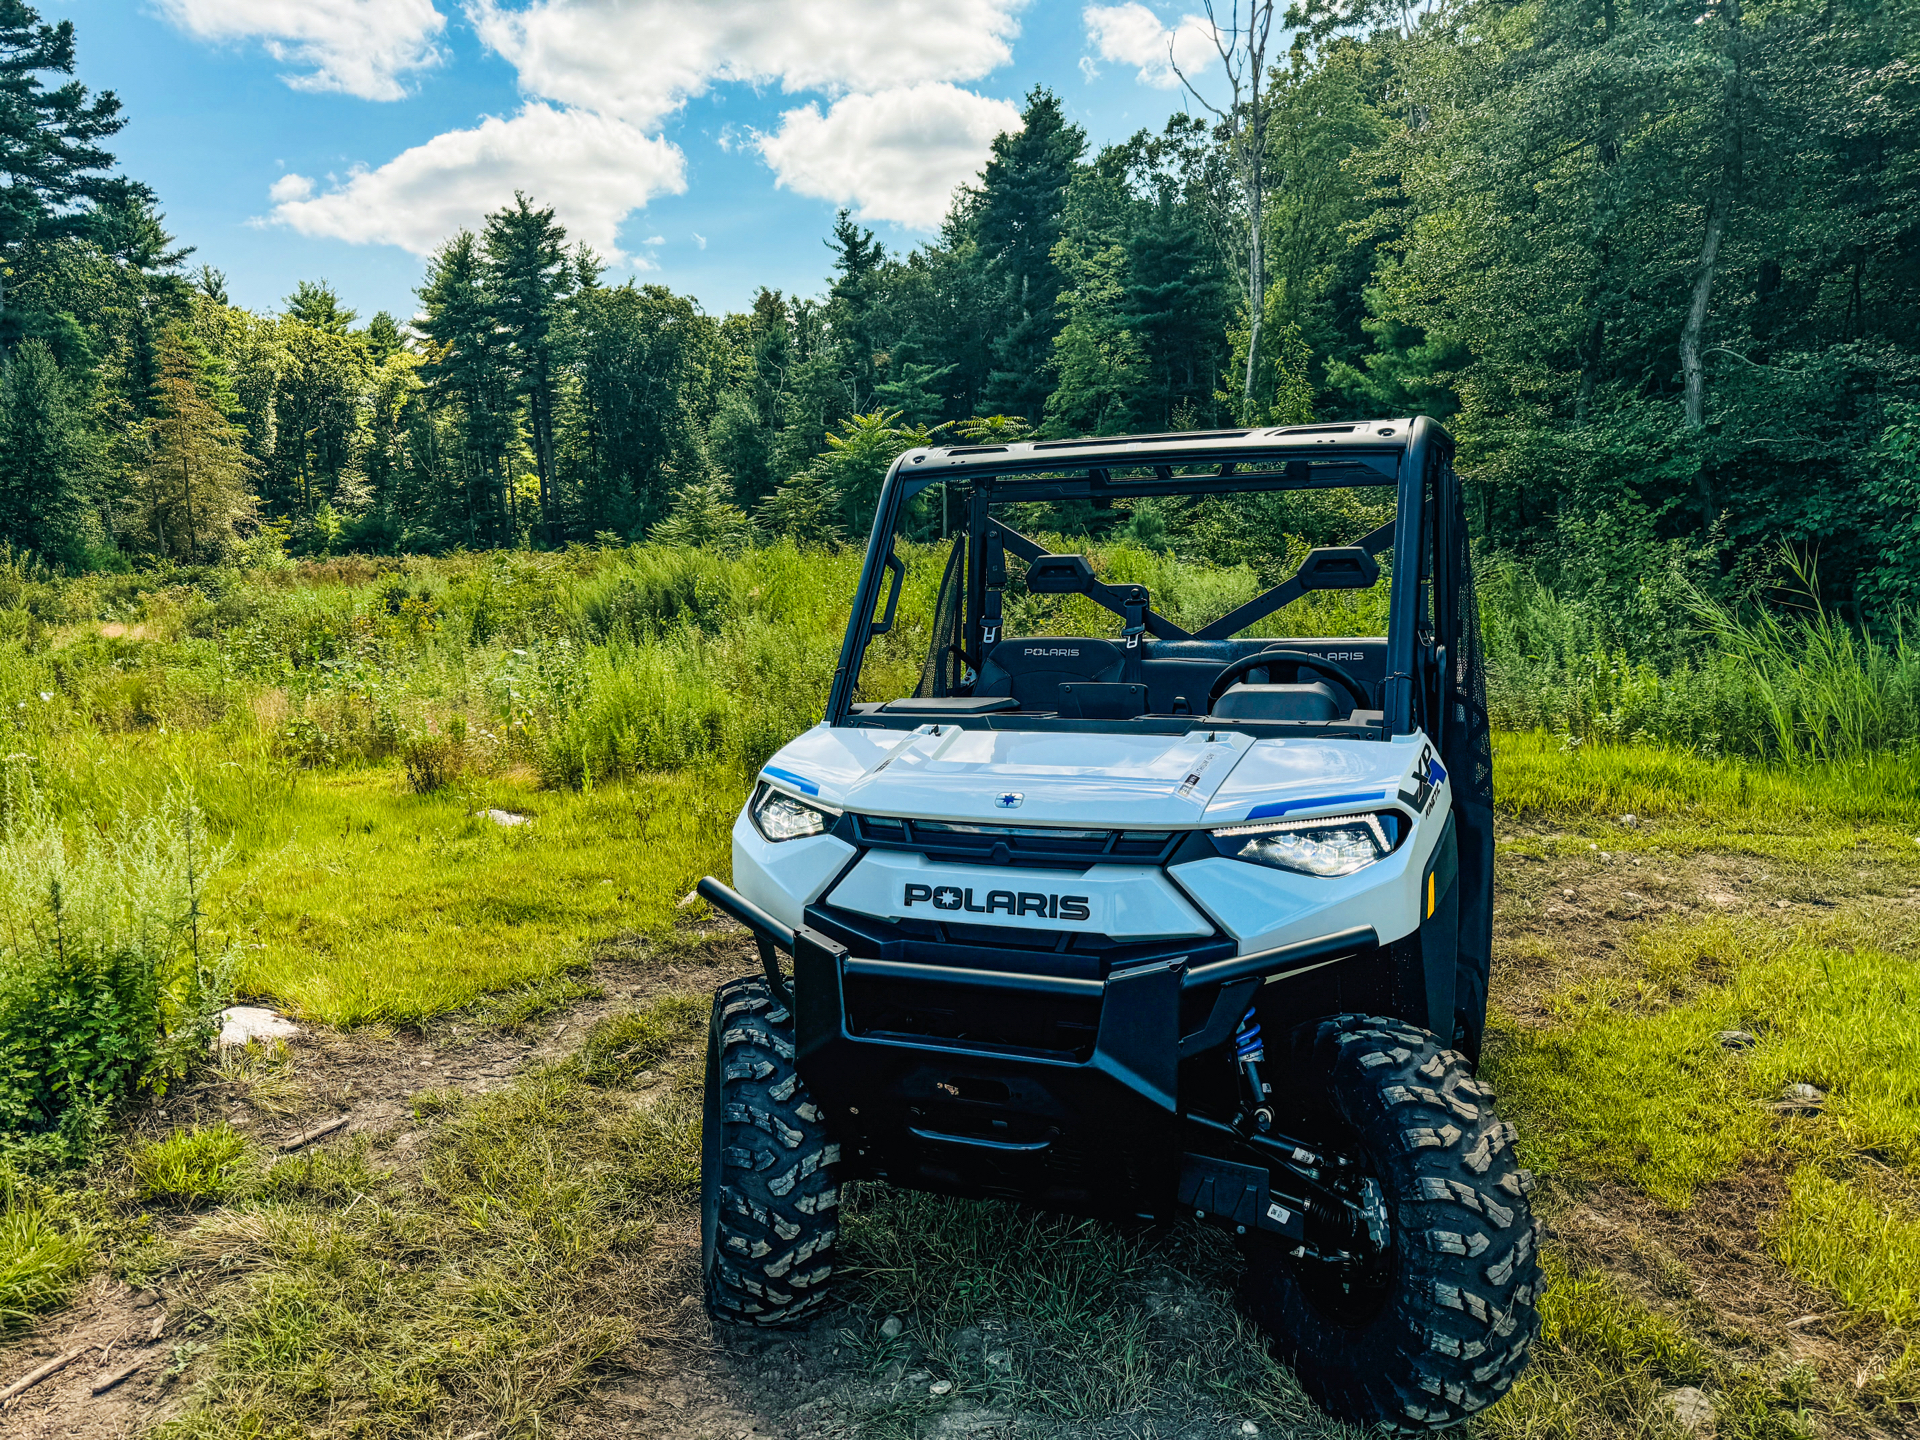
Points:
[(1653, 264)]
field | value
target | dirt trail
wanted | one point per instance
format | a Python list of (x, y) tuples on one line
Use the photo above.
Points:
[(1556, 919)]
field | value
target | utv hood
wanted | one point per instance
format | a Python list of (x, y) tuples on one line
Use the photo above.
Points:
[(1083, 778)]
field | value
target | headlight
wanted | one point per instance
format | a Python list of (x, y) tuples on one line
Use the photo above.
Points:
[(1334, 846), (779, 817)]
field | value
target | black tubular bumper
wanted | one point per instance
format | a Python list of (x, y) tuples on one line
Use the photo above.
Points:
[(1099, 1131)]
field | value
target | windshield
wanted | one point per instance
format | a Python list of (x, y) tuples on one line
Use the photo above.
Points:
[(1135, 610)]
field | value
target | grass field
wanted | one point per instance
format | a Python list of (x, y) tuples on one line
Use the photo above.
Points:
[(497, 1242)]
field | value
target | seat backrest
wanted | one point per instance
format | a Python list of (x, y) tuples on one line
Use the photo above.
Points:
[(1032, 670), (1187, 668)]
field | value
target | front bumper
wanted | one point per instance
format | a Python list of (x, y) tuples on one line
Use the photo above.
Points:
[(1087, 1118)]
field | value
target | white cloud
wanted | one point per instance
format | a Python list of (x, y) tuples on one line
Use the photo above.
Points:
[(893, 156), (360, 46), (592, 170), (640, 59), (1131, 34), (291, 187), (700, 241)]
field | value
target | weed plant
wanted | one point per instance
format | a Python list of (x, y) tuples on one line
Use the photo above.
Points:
[(1675, 667), (106, 986), (192, 1165), (40, 1259)]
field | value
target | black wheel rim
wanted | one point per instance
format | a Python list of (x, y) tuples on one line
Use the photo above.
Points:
[(1350, 1295)]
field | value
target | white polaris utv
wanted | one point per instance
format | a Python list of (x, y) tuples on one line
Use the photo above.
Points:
[(1146, 923)]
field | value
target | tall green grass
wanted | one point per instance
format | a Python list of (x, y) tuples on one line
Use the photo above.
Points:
[(1684, 670), (591, 665)]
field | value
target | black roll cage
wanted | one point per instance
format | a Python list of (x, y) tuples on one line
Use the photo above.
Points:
[(1413, 455)]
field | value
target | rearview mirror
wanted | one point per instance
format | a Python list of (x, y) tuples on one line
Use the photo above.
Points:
[(1338, 567), (1059, 575)]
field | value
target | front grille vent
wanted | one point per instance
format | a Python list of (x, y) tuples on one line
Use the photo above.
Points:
[(1074, 849)]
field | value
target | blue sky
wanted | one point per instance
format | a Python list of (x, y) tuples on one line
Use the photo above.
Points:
[(701, 146)]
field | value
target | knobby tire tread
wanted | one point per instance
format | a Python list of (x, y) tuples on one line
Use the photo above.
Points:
[(1462, 1312), (773, 1207)]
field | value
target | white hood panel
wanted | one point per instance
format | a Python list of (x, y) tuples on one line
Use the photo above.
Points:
[(1085, 778)]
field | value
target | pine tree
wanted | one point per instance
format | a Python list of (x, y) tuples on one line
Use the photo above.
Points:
[(193, 484), (805, 508), (52, 169), (49, 460), (315, 303), (703, 515), (468, 376), (858, 258), (529, 275), (1097, 358), (1017, 224), (382, 338), (1176, 307)]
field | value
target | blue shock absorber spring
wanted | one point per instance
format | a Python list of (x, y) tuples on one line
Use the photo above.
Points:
[(1247, 1040)]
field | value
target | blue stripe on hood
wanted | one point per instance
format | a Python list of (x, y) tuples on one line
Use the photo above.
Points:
[(1281, 808), (805, 785)]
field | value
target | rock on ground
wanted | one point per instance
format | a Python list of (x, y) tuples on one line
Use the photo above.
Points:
[(241, 1024)]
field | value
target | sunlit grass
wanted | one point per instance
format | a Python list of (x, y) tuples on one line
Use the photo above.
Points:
[(1630, 1081), (1861, 1246), (1538, 774), (365, 903)]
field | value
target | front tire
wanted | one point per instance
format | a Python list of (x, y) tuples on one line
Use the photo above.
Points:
[(769, 1190), (1439, 1327)]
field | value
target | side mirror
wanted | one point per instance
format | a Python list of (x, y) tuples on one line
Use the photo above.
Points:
[(1337, 567)]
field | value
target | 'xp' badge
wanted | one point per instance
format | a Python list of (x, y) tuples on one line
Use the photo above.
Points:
[(1008, 800)]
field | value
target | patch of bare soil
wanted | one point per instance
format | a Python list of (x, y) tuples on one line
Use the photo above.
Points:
[(1707, 1267), (126, 1342), (1562, 915)]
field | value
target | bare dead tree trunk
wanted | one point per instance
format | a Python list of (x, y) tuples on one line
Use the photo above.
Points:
[(1242, 46), (1720, 204)]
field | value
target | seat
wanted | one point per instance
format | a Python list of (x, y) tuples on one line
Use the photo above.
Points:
[(1032, 669)]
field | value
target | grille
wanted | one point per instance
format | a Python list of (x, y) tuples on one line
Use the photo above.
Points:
[(1075, 849)]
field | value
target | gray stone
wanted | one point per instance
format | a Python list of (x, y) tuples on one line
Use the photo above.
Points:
[(1000, 1365), (1802, 1094), (1736, 1040), (1630, 820), (940, 1388), (505, 818), (891, 1328), (241, 1024), (1692, 1408)]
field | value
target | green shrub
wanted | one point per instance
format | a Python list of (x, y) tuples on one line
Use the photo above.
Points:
[(103, 985), (188, 1166)]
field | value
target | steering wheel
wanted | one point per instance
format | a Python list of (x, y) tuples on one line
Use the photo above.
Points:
[(1233, 671)]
